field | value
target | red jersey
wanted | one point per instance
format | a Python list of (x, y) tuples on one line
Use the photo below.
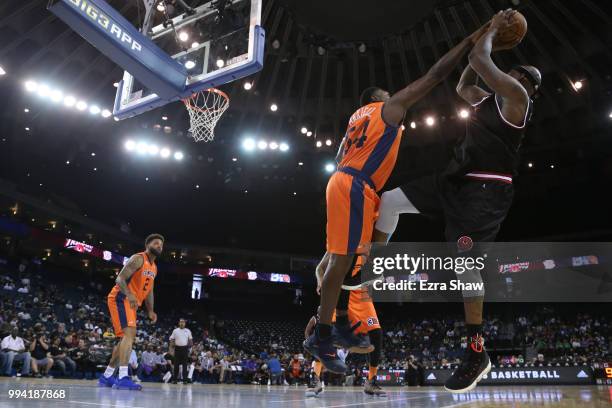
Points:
[(370, 145), (141, 282)]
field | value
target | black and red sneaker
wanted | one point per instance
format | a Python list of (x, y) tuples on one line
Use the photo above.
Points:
[(475, 364)]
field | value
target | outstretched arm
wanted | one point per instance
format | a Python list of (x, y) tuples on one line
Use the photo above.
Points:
[(501, 83), (467, 88), (396, 107)]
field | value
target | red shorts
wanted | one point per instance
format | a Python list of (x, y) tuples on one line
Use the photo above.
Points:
[(352, 210), (122, 314)]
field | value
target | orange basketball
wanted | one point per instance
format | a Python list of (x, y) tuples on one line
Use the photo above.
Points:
[(512, 35)]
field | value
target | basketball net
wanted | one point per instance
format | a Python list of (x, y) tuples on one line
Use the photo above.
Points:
[(205, 109)]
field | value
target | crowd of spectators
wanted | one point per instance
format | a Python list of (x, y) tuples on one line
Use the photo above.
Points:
[(48, 329)]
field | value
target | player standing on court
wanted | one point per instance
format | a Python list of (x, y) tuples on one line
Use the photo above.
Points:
[(474, 193), (366, 158), (134, 284)]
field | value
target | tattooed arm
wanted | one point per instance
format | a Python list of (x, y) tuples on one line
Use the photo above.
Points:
[(132, 265)]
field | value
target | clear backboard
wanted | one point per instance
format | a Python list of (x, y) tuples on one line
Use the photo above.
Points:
[(217, 42)]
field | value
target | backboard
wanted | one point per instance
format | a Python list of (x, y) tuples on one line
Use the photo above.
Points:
[(217, 42)]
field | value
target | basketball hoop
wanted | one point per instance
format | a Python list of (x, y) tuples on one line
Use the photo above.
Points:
[(205, 109)]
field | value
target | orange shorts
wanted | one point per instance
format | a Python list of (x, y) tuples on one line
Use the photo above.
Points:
[(352, 210), (122, 314), (361, 309)]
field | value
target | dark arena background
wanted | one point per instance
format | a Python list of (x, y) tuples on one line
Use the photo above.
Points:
[(86, 174)]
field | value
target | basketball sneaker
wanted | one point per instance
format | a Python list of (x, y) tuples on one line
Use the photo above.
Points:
[(475, 364), (106, 381), (371, 387), (325, 352), (315, 387), (126, 383), (344, 337)]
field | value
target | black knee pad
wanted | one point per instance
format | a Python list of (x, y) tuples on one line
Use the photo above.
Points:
[(376, 339)]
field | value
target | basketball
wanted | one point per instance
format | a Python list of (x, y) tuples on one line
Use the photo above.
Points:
[(512, 35)]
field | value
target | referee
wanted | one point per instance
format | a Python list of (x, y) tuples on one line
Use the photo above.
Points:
[(182, 340)]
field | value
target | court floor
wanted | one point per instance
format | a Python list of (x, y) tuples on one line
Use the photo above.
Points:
[(85, 393)]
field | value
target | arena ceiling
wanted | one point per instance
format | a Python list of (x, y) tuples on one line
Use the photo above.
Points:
[(319, 56)]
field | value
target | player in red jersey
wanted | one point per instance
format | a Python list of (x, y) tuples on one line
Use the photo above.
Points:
[(134, 285), (365, 159)]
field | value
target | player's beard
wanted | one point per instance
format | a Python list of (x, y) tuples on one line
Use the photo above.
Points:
[(155, 251)]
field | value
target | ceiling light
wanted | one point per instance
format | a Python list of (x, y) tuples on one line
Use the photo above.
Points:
[(276, 44), (319, 143), (248, 144), (362, 48), (178, 156), (130, 145), (153, 150), (309, 133), (328, 142), (164, 118), (464, 113), (430, 121), (304, 130), (300, 163), (81, 105), (69, 101), (195, 44), (273, 107), (329, 167), (27, 129), (413, 125), (262, 145), (94, 109), (190, 64), (31, 86), (142, 148), (43, 90), (164, 153), (247, 86), (106, 113), (220, 63), (161, 6), (284, 147), (56, 96), (183, 36), (26, 110), (578, 85), (234, 159), (530, 165), (2, 71), (116, 84), (273, 145)]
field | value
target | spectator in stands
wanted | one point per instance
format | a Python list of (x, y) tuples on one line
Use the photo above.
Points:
[(108, 334), (149, 361), (295, 372), (13, 349), (276, 372), (41, 362), (58, 354), (250, 368)]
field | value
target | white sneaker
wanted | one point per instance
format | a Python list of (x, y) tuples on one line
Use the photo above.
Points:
[(167, 377), (136, 379)]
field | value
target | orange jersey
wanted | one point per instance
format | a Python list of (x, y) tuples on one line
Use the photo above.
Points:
[(370, 145), (141, 282)]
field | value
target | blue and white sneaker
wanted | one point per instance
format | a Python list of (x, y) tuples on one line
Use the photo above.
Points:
[(126, 383), (106, 382)]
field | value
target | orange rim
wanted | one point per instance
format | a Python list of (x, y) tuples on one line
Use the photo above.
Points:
[(190, 105)]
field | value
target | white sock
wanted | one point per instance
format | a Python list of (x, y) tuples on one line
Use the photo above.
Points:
[(123, 371), (108, 373), (191, 368)]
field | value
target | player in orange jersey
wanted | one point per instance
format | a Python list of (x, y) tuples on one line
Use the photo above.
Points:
[(134, 285), (365, 159)]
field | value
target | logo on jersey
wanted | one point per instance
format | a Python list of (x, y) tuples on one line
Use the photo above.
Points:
[(148, 274), (372, 321)]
